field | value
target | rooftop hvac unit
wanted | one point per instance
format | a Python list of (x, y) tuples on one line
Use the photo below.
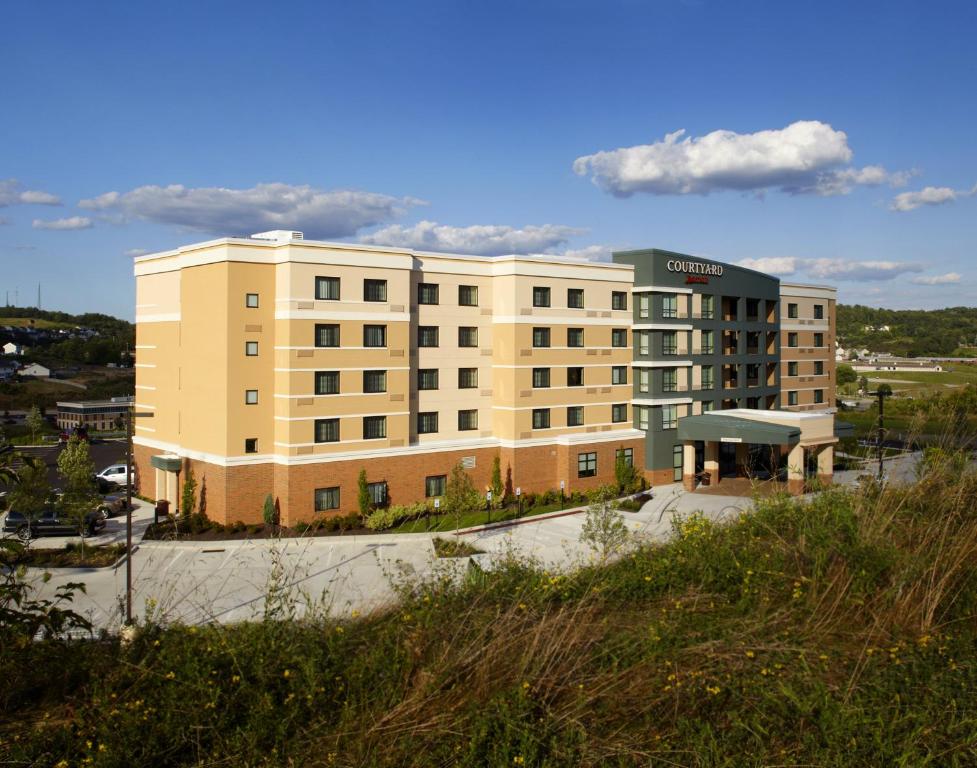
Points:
[(278, 235)]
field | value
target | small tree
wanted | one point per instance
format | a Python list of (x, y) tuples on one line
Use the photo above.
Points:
[(604, 529), (30, 491), (497, 488), (77, 468), (35, 422), (624, 473), (363, 494), (268, 512), (863, 384), (845, 374), (189, 500), (460, 496)]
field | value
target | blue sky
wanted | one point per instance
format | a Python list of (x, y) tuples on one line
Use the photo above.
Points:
[(829, 142)]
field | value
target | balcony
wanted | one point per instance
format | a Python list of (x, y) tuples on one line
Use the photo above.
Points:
[(753, 382)]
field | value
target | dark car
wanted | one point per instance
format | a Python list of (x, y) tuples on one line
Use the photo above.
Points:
[(51, 522)]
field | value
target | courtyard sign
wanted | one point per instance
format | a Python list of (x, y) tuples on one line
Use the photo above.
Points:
[(694, 267)]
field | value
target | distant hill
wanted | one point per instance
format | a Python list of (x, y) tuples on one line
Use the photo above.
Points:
[(911, 332), (43, 319)]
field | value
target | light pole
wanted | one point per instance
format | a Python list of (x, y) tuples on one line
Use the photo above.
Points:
[(881, 393), (130, 415)]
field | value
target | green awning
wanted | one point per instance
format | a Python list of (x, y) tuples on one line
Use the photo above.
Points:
[(732, 429), (843, 429), (167, 463)]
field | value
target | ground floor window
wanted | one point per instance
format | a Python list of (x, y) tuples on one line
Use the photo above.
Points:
[(434, 485), (378, 493), (326, 499), (628, 454), (677, 461), (586, 464)]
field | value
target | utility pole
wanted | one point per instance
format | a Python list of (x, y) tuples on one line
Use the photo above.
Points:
[(130, 415), (881, 394)]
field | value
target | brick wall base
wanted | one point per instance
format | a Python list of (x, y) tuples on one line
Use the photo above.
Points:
[(235, 493)]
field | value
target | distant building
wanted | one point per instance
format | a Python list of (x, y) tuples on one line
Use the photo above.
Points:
[(36, 370), (897, 365), (13, 349), (93, 414)]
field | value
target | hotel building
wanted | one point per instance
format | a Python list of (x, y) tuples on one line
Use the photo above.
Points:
[(276, 365)]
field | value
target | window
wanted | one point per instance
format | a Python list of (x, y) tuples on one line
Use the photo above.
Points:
[(427, 336), (326, 499), (327, 382), (819, 311), (644, 338), (792, 339), (575, 416), (327, 430), (619, 337), (374, 335), (818, 339), (327, 288), (427, 378), (327, 335), (669, 305), (541, 337), (374, 381), (251, 445), (467, 378), (752, 309), (467, 336), (586, 464), (818, 395), (669, 343), (574, 337), (619, 300), (251, 397), (753, 403), (628, 454), (575, 298), (467, 420), (468, 295), (619, 412), (644, 380), (708, 342), (619, 374), (251, 348), (644, 305), (642, 412), (669, 416), (427, 293), (575, 376), (791, 398), (435, 485), (541, 418), (669, 379), (377, 493), (541, 297), (427, 422), (708, 405), (374, 427), (541, 378), (792, 310), (819, 367), (374, 290), (251, 300), (677, 462), (708, 377), (708, 306), (792, 368)]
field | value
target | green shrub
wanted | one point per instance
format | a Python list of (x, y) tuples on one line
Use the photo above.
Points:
[(389, 517)]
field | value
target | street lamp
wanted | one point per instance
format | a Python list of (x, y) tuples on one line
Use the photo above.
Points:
[(882, 392), (130, 415)]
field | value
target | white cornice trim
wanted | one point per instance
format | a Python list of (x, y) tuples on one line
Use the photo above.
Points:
[(315, 314), (662, 364), (661, 327), (162, 317), (622, 321), (661, 401), (659, 289)]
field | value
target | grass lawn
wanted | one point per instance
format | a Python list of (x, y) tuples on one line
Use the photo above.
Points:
[(26, 322), (925, 381), (451, 522)]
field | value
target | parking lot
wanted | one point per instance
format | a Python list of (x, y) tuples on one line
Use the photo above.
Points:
[(102, 453)]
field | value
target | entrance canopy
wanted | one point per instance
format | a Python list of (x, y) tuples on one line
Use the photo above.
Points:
[(722, 428)]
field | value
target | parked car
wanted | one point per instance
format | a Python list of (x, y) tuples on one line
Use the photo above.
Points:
[(116, 473), (110, 506), (51, 522)]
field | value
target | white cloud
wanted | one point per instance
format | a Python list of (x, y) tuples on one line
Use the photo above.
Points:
[(478, 239), (832, 269), (807, 156), (133, 252), (72, 222), (12, 192), (589, 253), (221, 211), (945, 279), (908, 201)]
